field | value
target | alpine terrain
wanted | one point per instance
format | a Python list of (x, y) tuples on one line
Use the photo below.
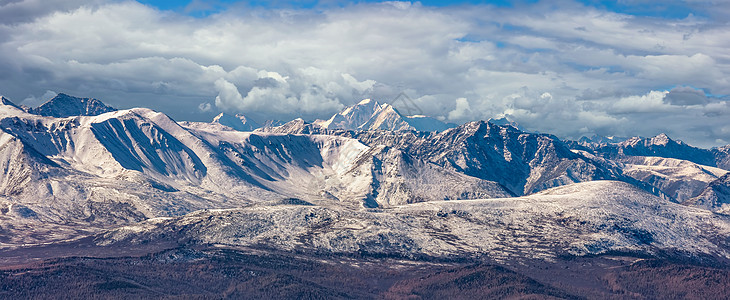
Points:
[(370, 203)]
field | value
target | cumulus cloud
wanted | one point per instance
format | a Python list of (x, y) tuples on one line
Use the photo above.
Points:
[(684, 95), (229, 97), (653, 102), (700, 123), (462, 110), (307, 92), (564, 68)]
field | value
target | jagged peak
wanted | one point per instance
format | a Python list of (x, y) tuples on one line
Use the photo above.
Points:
[(389, 108), (662, 139), (472, 128), (477, 125), (6, 101), (369, 114), (64, 105), (367, 105)]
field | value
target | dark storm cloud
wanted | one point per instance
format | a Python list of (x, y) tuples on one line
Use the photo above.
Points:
[(686, 96)]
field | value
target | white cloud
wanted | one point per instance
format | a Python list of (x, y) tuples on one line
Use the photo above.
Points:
[(462, 110), (205, 107), (229, 98), (558, 67), (685, 95), (653, 102), (20, 11)]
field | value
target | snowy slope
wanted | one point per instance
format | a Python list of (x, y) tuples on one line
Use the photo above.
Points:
[(296, 126), (6, 101), (522, 162), (343, 170), (678, 170), (353, 117), (715, 197), (680, 179), (90, 172), (722, 156), (580, 219), (129, 165)]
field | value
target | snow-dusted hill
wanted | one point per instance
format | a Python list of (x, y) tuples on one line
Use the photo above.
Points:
[(715, 197), (580, 219), (679, 179)]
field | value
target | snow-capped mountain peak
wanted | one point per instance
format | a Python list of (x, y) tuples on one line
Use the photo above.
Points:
[(661, 139), (368, 114), (352, 117), (63, 106)]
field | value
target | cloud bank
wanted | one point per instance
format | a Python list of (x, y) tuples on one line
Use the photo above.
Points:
[(564, 67)]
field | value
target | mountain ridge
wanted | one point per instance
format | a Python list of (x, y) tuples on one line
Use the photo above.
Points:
[(125, 166)]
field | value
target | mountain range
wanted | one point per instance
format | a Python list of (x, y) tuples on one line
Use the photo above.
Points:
[(83, 179)]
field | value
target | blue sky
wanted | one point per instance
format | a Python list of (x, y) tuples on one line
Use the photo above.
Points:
[(571, 68), (162, 4), (660, 9)]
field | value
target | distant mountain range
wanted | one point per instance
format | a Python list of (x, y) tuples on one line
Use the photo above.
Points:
[(367, 182), (365, 115)]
